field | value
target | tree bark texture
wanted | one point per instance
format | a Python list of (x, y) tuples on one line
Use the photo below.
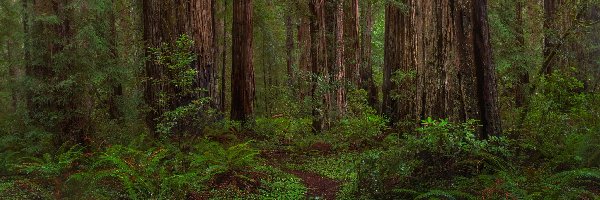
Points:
[(340, 67), (242, 75), (164, 22), (304, 58), (352, 41), (438, 63), (218, 35), (318, 60), (225, 36), (366, 64)]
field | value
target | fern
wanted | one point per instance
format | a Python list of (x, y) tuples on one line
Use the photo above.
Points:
[(573, 184), (451, 195), (49, 165), (222, 160), (156, 173)]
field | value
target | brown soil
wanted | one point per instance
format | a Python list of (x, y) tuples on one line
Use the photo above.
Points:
[(317, 185), (322, 147)]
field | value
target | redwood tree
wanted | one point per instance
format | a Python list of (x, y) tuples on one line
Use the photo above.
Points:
[(440, 56), (366, 64), (242, 74), (352, 41), (318, 55), (164, 22)]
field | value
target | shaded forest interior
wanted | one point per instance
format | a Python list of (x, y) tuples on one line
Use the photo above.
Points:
[(300, 99)]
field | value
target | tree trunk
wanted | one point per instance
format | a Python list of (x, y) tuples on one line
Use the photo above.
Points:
[(367, 82), (318, 60), (114, 111), (486, 72), (164, 22), (304, 60), (340, 67), (440, 55), (352, 42), (551, 32), (223, 99), (242, 75), (218, 29), (289, 43), (523, 75), (392, 59), (16, 74)]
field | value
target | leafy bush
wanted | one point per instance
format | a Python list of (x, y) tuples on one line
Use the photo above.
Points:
[(359, 132), (191, 113), (561, 126), (431, 158), (282, 127)]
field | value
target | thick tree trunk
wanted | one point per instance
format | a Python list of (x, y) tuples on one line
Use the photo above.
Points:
[(242, 75), (27, 44), (340, 68), (352, 42), (440, 55), (218, 29), (318, 60), (304, 59), (16, 74), (367, 82), (486, 72), (165, 22), (223, 99), (393, 58)]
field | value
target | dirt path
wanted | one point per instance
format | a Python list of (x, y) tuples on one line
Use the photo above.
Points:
[(317, 185)]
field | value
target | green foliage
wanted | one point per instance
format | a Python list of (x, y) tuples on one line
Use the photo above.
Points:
[(221, 160), (192, 113), (281, 186), (157, 173), (441, 194), (565, 116), (49, 165), (282, 127), (579, 182), (431, 157), (361, 130), (358, 105), (176, 59)]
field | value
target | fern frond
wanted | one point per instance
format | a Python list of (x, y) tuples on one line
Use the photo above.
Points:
[(450, 195)]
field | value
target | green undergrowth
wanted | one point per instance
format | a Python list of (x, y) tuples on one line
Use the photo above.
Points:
[(276, 185)]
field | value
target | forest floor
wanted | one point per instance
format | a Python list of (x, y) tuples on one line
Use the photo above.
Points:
[(318, 186)]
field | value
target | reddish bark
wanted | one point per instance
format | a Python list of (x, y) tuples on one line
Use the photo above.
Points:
[(242, 75)]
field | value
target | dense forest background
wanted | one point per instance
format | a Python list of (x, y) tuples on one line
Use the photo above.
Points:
[(299, 99)]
